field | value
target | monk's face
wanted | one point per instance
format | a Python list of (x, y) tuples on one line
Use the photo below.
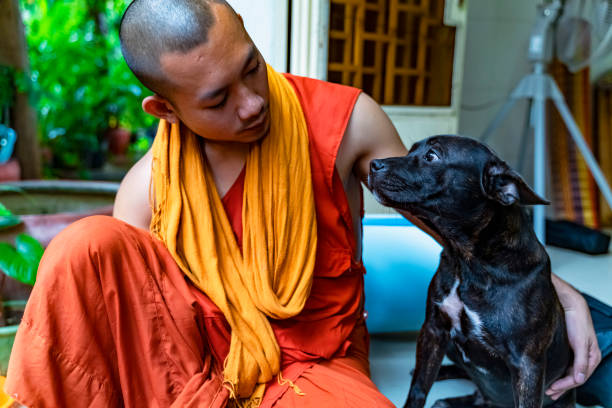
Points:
[(220, 88)]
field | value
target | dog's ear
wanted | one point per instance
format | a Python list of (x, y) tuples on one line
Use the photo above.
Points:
[(504, 185)]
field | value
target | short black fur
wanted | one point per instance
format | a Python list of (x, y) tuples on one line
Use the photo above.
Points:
[(491, 305)]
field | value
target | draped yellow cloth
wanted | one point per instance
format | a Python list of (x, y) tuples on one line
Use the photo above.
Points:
[(272, 277)]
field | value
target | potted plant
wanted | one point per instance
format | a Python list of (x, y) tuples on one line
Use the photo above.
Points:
[(20, 262), (85, 93)]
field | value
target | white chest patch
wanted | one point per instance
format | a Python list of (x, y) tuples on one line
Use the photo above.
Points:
[(452, 306)]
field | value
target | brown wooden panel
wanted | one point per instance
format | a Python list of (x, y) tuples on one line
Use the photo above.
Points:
[(398, 51)]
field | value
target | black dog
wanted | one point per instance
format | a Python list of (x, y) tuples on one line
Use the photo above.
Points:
[(491, 305)]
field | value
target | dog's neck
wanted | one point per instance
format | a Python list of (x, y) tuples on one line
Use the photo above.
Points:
[(504, 241)]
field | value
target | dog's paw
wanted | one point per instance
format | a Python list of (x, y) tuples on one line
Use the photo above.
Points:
[(441, 404)]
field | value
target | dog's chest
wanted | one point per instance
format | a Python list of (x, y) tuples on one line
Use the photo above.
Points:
[(455, 309)]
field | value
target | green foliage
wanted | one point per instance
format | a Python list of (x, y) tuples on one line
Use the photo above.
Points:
[(21, 261), (11, 80), (7, 87), (7, 219), (140, 146), (81, 81)]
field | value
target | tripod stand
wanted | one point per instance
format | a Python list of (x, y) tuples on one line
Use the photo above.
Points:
[(538, 87)]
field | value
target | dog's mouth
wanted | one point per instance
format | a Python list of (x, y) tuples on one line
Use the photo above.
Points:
[(395, 193), (383, 192), (390, 191)]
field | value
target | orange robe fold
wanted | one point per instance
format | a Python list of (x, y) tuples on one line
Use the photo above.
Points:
[(112, 320)]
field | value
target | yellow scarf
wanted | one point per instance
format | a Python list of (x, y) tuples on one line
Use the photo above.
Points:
[(273, 275)]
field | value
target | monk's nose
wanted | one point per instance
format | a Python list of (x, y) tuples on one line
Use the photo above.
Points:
[(252, 105)]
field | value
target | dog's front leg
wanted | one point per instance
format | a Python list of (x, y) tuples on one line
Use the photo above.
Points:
[(431, 347), (528, 381)]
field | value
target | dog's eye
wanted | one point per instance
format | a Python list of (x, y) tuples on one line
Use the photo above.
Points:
[(431, 156)]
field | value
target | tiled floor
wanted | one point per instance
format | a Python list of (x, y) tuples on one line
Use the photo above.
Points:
[(392, 359)]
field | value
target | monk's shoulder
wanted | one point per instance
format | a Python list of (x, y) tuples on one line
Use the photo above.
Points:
[(132, 203)]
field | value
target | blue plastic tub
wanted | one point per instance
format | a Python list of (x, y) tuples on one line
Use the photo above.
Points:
[(7, 143), (400, 261)]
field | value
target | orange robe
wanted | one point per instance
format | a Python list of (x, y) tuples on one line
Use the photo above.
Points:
[(112, 321)]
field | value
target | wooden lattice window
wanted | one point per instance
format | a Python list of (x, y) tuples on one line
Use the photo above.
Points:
[(398, 51)]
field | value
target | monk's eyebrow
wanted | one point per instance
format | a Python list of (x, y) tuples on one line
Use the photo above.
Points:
[(216, 92)]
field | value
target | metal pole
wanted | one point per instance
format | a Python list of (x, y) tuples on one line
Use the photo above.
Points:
[(539, 173), (498, 119), (526, 133)]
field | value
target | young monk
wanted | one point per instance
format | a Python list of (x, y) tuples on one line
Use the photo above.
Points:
[(231, 274)]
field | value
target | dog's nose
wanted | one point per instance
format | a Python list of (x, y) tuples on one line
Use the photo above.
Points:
[(377, 165)]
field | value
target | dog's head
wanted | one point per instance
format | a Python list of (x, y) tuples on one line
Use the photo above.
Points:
[(449, 182)]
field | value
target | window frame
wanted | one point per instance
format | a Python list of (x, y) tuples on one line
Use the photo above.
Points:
[(309, 50)]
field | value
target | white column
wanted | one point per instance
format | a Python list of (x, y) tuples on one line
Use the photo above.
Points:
[(267, 23), (309, 38)]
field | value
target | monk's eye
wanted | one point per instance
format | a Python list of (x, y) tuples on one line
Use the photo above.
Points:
[(255, 69), (220, 104), (431, 156)]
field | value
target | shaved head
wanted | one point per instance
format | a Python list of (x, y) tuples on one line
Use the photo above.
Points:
[(152, 28)]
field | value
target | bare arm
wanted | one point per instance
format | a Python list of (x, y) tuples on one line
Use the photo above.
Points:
[(371, 135), (582, 337), (132, 200)]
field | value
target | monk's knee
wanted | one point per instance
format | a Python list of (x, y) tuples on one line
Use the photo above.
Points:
[(68, 271), (86, 244), (97, 234)]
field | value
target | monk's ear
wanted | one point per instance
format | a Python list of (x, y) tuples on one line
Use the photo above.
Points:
[(160, 108), (240, 18)]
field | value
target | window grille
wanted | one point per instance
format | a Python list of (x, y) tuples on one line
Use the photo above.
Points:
[(398, 51)]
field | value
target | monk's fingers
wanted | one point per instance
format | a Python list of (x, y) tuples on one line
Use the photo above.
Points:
[(562, 384), (585, 363), (580, 371), (594, 357)]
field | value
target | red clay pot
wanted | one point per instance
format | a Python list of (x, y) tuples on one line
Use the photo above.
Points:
[(10, 171), (118, 140)]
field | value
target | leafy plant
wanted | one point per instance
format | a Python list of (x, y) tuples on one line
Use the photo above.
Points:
[(20, 261), (7, 87), (7, 219), (82, 84)]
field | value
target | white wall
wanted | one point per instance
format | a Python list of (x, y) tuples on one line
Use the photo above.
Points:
[(267, 22), (495, 60)]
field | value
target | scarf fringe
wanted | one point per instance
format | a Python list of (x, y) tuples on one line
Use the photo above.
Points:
[(235, 402), (155, 226), (285, 381)]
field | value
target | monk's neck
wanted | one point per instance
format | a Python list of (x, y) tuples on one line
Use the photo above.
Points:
[(226, 161)]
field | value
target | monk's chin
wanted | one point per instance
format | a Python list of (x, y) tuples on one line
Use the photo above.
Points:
[(259, 136)]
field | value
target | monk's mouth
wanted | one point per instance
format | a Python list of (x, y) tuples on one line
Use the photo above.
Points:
[(260, 123)]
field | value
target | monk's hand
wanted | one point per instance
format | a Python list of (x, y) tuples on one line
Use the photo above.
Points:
[(582, 338)]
